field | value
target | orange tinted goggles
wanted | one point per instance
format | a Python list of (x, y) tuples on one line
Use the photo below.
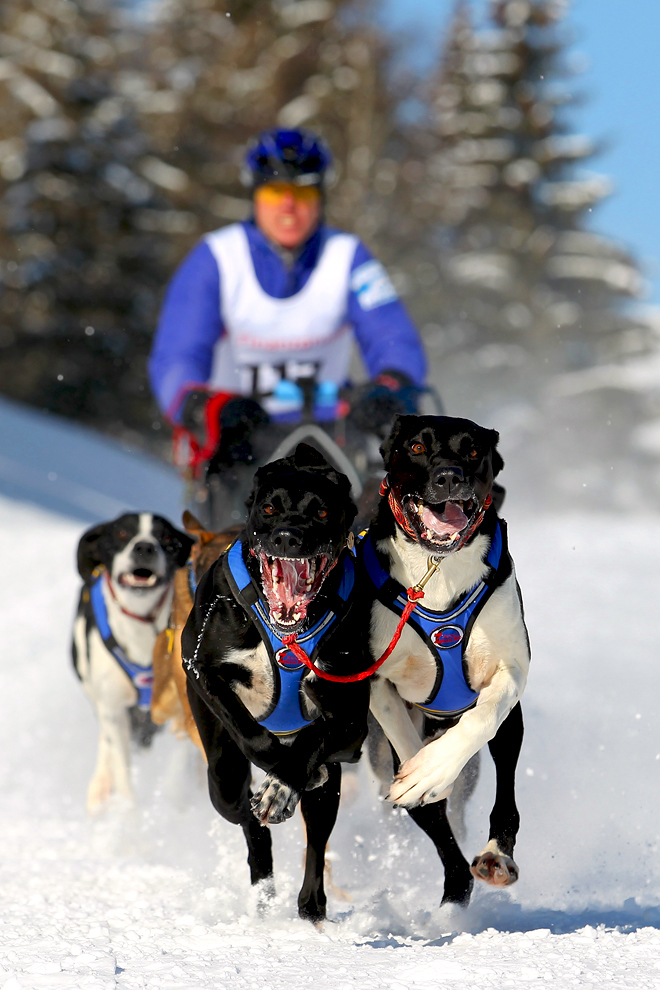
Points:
[(274, 193)]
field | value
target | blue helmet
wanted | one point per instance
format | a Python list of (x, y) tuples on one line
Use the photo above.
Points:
[(296, 156)]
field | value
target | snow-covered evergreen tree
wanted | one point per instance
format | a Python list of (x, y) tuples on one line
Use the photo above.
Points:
[(82, 267), (503, 253)]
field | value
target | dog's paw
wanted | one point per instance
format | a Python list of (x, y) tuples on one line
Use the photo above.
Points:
[(274, 801), (494, 867), (421, 780)]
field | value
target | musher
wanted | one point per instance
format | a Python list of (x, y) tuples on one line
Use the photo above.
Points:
[(258, 320)]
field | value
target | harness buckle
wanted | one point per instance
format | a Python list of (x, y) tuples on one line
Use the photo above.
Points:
[(417, 591)]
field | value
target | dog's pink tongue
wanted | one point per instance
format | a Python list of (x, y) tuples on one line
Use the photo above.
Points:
[(452, 520), (293, 581)]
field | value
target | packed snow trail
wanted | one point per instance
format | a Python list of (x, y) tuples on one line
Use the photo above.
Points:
[(159, 897)]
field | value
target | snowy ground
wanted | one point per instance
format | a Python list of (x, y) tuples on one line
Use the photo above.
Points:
[(159, 898)]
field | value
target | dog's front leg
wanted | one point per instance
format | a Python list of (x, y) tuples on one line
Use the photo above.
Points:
[(259, 745), (112, 771), (277, 798), (389, 710), (429, 775), (336, 737)]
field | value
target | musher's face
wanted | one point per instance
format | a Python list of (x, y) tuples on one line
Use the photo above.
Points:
[(287, 214)]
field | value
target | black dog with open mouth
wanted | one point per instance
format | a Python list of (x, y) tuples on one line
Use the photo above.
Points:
[(441, 482), (286, 585), (453, 681)]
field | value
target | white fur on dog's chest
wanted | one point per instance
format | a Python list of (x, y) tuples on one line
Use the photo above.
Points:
[(258, 697), (458, 572)]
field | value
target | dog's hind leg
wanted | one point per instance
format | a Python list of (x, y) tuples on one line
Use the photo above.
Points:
[(463, 790), (495, 864), (319, 810)]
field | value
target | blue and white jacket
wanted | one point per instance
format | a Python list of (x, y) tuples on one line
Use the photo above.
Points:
[(199, 303)]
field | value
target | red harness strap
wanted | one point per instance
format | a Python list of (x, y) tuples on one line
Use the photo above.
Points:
[(197, 454), (414, 595)]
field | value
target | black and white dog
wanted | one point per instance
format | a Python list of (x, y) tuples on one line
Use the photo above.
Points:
[(127, 567), (284, 589), (453, 681)]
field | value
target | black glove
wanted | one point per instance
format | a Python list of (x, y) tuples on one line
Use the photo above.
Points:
[(377, 403), (239, 418), (193, 412)]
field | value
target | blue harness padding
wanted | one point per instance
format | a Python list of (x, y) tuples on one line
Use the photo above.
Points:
[(142, 678), (285, 715), (445, 633), (192, 580)]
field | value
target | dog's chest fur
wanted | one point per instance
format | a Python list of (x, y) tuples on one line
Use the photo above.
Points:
[(257, 689), (137, 638), (411, 666)]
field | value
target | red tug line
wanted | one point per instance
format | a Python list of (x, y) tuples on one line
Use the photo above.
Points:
[(414, 595)]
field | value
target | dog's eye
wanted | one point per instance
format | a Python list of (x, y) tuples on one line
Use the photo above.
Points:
[(474, 453), (269, 510), (322, 513), (418, 448), (122, 534)]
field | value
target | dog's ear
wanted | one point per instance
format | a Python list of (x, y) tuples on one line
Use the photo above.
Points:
[(89, 555), (306, 456), (498, 463), (185, 543), (386, 448), (192, 525)]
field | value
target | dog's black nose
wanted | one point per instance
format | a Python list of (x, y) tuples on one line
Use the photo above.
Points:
[(286, 541), (448, 479), (144, 549)]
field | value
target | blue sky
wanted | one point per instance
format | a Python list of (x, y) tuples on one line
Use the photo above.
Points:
[(621, 86)]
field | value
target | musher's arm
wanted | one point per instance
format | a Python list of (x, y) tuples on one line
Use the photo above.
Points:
[(188, 330), (385, 333)]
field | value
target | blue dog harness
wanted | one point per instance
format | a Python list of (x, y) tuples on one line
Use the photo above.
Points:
[(141, 677), (192, 580), (445, 633), (285, 715)]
